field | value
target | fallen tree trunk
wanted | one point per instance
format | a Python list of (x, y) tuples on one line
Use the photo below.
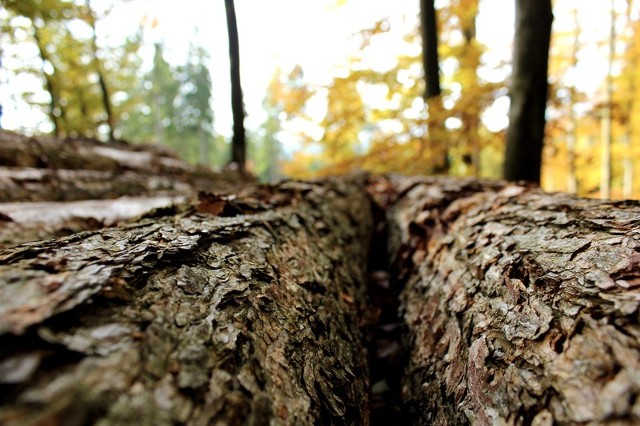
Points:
[(86, 154), (240, 310), (521, 307), (24, 185), (24, 222), (45, 168)]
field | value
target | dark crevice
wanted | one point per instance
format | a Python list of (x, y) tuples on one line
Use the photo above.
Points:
[(386, 352)]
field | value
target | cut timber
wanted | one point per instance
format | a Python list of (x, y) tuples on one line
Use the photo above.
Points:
[(521, 306), (25, 184), (24, 222), (86, 154), (45, 168), (239, 310)]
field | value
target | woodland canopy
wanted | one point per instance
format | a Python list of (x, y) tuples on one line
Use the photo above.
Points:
[(60, 64)]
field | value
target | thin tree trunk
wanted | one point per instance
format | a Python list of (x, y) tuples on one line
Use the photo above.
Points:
[(521, 306), (572, 133), (471, 61), (430, 58), (435, 148), (241, 310), (238, 142), (606, 124), (272, 168), (627, 162), (54, 108), (205, 147), (525, 136), (102, 80), (86, 129), (0, 104)]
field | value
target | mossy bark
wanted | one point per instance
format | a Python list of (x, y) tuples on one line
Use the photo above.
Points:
[(521, 307), (243, 309)]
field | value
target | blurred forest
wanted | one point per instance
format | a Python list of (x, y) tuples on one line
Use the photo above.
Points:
[(375, 118)]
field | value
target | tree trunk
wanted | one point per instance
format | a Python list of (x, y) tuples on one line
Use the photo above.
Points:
[(434, 150), (102, 79), (55, 109), (240, 310), (628, 158), (521, 307), (525, 136), (607, 119), (572, 131), (238, 142), (204, 145), (430, 62)]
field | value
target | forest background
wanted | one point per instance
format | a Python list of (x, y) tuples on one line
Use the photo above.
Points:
[(68, 68)]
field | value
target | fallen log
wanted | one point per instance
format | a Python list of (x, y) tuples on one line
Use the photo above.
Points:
[(237, 310), (47, 152), (521, 307), (30, 185), (45, 168), (25, 222)]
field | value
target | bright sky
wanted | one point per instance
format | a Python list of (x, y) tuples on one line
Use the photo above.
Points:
[(313, 34)]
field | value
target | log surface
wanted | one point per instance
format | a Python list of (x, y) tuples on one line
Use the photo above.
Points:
[(45, 168), (24, 222), (521, 307), (239, 310)]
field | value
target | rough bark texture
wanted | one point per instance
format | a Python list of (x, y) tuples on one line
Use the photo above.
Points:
[(241, 310), (129, 165), (521, 307), (24, 222), (29, 184), (57, 153), (46, 184)]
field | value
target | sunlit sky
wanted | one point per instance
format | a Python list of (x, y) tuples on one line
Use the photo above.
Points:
[(316, 35), (313, 34)]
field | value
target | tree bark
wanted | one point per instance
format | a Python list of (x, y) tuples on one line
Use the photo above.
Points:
[(238, 142), (238, 310), (117, 157), (24, 222), (525, 136), (521, 307), (30, 185), (49, 169), (430, 62)]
